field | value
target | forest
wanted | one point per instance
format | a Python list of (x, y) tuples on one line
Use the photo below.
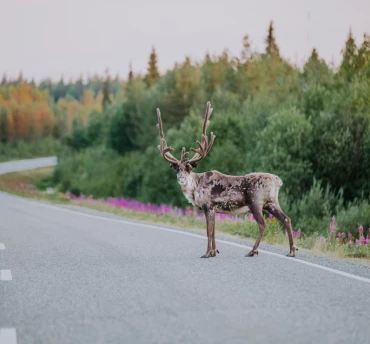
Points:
[(310, 125)]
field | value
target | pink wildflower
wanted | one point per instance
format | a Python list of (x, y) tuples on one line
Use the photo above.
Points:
[(333, 220), (357, 243), (322, 240), (365, 241), (271, 217), (350, 242), (361, 229), (337, 239), (349, 235)]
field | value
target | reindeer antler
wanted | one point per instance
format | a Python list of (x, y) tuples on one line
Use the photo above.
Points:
[(163, 148), (204, 146)]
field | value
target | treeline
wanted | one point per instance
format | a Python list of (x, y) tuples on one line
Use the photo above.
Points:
[(28, 112), (310, 126)]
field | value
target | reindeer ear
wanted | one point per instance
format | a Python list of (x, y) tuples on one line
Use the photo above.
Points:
[(173, 166)]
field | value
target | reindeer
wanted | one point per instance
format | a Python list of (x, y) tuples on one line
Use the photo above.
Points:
[(214, 192)]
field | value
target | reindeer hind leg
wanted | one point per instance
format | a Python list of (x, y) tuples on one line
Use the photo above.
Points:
[(257, 213), (276, 211)]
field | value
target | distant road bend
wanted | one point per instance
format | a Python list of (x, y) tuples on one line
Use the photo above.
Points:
[(26, 164), (78, 277)]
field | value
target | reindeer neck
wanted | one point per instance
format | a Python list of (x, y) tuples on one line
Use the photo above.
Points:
[(189, 187)]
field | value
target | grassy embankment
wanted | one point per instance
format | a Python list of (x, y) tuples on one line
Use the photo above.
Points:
[(34, 184)]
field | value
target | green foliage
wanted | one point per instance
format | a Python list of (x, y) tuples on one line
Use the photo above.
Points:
[(152, 74), (310, 127), (27, 150), (95, 129), (271, 47), (75, 172), (3, 124), (283, 148), (106, 93)]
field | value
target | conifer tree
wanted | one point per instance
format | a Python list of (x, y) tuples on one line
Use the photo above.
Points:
[(106, 91), (80, 88), (246, 53), (3, 80), (130, 74), (316, 70), (152, 74), (348, 65), (363, 57), (20, 78), (271, 47)]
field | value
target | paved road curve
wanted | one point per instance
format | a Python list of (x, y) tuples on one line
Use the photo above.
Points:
[(27, 164), (77, 278)]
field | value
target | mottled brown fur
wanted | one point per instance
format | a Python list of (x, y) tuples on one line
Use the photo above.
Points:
[(215, 192)]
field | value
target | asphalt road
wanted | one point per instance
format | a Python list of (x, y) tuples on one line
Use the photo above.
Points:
[(27, 164), (80, 278)]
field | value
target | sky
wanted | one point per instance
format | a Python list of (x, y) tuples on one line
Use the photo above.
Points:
[(50, 38)]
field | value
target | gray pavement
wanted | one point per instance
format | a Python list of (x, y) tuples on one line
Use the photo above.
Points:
[(81, 278), (27, 164)]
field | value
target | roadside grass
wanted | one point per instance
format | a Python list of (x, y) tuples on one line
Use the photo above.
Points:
[(38, 184)]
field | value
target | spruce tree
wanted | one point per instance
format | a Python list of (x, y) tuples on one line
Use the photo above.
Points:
[(271, 47), (348, 65), (130, 74), (316, 70), (246, 53), (363, 56), (106, 92), (3, 80), (152, 74)]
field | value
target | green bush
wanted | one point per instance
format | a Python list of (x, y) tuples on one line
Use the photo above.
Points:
[(26, 150)]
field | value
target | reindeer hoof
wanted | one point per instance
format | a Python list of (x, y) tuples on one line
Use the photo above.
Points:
[(210, 254), (252, 253), (292, 253)]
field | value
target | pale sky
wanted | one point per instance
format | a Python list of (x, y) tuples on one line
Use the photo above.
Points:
[(48, 38)]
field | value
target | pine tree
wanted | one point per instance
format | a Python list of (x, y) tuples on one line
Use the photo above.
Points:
[(315, 69), (314, 58), (271, 47), (363, 57), (80, 88), (348, 65), (20, 78), (3, 80), (246, 53), (152, 74), (130, 74), (106, 91)]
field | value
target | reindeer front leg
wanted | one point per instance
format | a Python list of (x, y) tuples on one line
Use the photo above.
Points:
[(210, 218)]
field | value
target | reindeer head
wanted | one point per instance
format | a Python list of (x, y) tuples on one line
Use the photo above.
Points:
[(184, 166)]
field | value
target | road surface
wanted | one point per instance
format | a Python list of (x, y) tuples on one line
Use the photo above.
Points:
[(71, 277), (27, 164)]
